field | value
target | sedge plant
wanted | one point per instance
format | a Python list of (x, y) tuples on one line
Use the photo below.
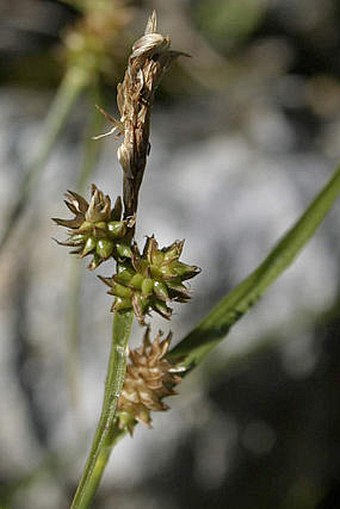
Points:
[(147, 280)]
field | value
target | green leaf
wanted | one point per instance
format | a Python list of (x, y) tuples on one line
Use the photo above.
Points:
[(212, 329)]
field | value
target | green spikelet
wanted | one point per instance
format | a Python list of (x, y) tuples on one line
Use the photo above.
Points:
[(151, 281), (96, 229)]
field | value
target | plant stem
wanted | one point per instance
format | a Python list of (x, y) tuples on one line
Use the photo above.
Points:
[(69, 90), (212, 329), (90, 159), (113, 437), (99, 453)]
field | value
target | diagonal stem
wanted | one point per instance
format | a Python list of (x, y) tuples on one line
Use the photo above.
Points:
[(70, 88), (90, 159), (215, 326), (94, 467)]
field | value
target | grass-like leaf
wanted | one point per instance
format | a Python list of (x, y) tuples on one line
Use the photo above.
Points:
[(212, 329)]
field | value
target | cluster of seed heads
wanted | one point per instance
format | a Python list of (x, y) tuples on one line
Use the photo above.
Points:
[(147, 280)]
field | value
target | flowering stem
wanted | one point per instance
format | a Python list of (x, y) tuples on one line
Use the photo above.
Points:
[(70, 88), (105, 433)]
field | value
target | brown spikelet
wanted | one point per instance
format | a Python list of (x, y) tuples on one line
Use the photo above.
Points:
[(150, 377), (149, 60)]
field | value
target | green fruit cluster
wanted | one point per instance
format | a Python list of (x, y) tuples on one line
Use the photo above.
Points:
[(151, 281), (145, 282), (96, 229)]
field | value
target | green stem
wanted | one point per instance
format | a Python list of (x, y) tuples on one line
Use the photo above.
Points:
[(99, 453), (115, 434), (199, 342), (70, 88), (90, 159)]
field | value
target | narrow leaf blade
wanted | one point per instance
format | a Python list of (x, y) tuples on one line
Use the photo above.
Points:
[(216, 325)]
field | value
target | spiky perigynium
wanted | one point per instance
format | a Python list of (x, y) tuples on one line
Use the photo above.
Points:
[(96, 229), (150, 377), (151, 280)]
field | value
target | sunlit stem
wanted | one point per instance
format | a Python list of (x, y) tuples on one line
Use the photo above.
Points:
[(100, 449)]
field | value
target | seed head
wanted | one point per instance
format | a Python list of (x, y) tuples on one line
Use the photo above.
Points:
[(151, 280), (150, 377), (96, 229)]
